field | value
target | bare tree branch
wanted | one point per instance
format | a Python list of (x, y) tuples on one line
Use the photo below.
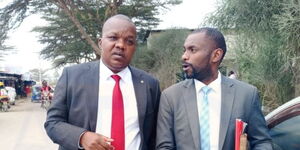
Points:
[(62, 4)]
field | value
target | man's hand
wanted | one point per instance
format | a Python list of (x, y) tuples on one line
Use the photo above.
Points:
[(94, 141)]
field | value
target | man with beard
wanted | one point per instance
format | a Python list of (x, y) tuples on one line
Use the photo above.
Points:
[(199, 113), (106, 104)]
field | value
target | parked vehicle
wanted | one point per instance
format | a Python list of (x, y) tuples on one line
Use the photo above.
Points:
[(36, 93), (4, 103), (4, 99), (11, 92), (284, 125)]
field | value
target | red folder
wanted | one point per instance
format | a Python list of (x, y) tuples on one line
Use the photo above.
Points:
[(239, 130)]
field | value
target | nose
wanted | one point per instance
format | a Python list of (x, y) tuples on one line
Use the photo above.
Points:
[(185, 56), (120, 43)]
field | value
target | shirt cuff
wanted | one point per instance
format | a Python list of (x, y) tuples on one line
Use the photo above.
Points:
[(79, 146)]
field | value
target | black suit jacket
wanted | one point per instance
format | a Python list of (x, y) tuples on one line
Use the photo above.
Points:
[(75, 105)]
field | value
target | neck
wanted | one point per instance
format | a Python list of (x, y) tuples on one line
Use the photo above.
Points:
[(210, 78)]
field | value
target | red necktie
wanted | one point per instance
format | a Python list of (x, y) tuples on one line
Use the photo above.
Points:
[(117, 124)]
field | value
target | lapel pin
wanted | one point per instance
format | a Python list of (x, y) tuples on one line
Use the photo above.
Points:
[(142, 81)]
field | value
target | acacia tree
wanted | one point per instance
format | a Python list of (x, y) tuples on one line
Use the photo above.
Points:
[(85, 18), (263, 52)]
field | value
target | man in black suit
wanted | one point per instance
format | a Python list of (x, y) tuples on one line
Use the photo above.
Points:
[(81, 115)]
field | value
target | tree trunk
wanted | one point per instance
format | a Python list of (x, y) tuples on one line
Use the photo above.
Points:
[(63, 5), (112, 8), (296, 67)]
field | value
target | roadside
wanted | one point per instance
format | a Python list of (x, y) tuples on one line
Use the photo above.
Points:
[(22, 127)]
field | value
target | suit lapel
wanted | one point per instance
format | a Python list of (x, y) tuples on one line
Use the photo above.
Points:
[(227, 96), (140, 90), (92, 84), (190, 100)]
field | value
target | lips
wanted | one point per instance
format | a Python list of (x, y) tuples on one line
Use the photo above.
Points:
[(186, 66), (118, 55)]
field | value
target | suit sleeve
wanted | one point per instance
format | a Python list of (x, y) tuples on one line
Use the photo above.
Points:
[(258, 135), (156, 94), (165, 125), (56, 125)]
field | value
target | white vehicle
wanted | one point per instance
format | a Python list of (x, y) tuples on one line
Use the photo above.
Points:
[(4, 99), (11, 93)]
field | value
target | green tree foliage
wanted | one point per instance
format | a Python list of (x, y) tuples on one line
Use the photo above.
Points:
[(288, 24), (161, 56), (64, 43), (73, 29), (263, 45)]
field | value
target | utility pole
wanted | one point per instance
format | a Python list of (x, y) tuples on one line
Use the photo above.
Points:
[(40, 73)]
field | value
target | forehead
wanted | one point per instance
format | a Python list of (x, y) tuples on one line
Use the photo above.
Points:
[(119, 26), (199, 39)]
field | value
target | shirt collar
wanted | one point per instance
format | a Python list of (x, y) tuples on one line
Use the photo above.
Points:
[(214, 85), (105, 73)]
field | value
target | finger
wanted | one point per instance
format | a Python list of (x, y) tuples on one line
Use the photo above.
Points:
[(105, 142), (97, 146), (107, 145), (94, 146), (100, 147), (107, 139)]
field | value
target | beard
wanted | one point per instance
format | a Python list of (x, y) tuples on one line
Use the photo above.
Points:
[(199, 74)]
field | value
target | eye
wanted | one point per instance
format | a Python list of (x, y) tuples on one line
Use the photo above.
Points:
[(190, 50), (112, 38), (193, 50), (130, 41)]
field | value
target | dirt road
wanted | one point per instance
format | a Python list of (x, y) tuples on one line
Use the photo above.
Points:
[(22, 128)]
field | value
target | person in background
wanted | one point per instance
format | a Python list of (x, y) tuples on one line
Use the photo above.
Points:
[(232, 75), (199, 113), (19, 87), (46, 89), (27, 91), (106, 104)]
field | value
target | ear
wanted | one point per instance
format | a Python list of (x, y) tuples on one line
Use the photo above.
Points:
[(217, 55), (100, 43)]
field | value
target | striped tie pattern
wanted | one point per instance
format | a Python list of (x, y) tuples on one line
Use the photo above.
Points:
[(204, 120)]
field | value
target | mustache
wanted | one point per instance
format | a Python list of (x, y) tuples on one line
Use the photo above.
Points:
[(120, 53), (185, 74), (186, 64)]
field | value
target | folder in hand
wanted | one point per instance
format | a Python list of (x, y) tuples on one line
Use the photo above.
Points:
[(240, 136)]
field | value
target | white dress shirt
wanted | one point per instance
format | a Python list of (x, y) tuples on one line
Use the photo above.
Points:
[(214, 100), (104, 117)]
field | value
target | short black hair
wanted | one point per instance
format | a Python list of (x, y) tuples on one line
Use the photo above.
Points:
[(216, 36)]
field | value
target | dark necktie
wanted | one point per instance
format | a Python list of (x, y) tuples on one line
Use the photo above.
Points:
[(117, 124)]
